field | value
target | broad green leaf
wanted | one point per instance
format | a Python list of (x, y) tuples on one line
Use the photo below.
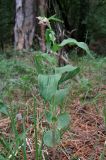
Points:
[(60, 96), (48, 138), (67, 72), (50, 36), (67, 68), (48, 85), (73, 42), (70, 41), (3, 108), (63, 121), (50, 41)]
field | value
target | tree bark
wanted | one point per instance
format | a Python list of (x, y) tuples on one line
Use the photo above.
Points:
[(24, 24), (82, 27), (43, 13)]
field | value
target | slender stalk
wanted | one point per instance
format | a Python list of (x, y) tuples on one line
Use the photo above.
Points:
[(40, 151), (12, 118), (54, 134), (54, 140), (24, 144), (35, 128)]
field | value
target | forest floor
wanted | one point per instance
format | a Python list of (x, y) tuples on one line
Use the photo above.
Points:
[(86, 137)]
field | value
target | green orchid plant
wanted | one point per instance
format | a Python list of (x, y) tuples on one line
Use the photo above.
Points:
[(50, 87), (52, 84)]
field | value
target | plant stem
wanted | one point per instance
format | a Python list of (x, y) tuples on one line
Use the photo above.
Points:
[(24, 144), (54, 140), (35, 128)]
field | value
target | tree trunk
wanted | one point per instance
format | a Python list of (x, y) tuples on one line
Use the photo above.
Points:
[(82, 27), (43, 13), (24, 24)]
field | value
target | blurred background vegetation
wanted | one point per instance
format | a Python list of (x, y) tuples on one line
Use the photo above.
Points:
[(83, 20)]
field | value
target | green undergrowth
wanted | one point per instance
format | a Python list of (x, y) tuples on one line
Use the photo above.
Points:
[(18, 80), (90, 84), (34, 93), (16, 72)]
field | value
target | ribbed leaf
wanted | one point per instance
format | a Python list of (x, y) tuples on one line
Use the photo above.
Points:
[(48, 85), (67, 72), (60, 96), (3, 108), (48, 138), (63, 121), (73, 42)]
